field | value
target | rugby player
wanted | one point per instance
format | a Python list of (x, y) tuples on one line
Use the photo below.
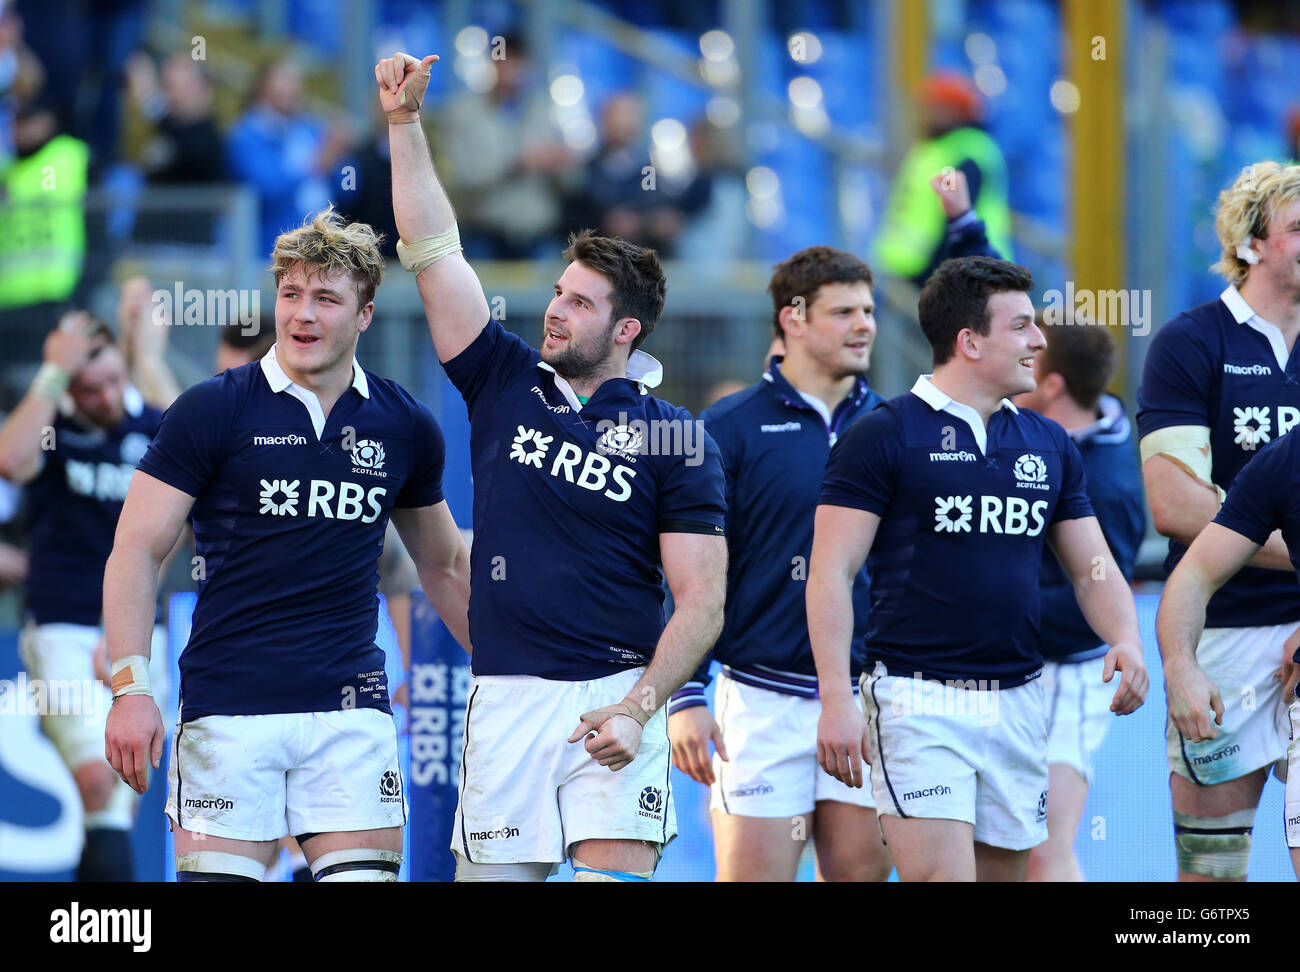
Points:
[(292, 466), (952, 490), (574, 517), (1261, 502), (768, 795), (1071, 375), (1220, 382), (74, 440)]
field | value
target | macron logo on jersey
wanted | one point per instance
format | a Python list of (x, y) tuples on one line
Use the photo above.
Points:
[(531, 448), (265, 440), (955, 514), (1256, 369), (952, 456)]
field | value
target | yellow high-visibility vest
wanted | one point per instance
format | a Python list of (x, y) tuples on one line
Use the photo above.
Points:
[(914, 223), (42, 224)]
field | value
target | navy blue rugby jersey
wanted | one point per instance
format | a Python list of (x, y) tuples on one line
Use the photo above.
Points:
[(1110, 464), (290, 525), (72, 510), (1266, 497), (1219, 365), (955, 561), (569, 503), (774, 444)]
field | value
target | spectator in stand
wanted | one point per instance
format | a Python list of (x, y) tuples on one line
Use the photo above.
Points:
[(186, 146), (506, 164), (286, 154)]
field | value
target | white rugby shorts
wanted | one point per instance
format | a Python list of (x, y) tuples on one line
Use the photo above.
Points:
[(62, 658), (973, 754), (773, 771), (263, 777), (1256, 729), (529, 795), (1078, 711)]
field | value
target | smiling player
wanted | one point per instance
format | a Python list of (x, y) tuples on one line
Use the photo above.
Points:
[(576, 526), (952, 490), (292, 466)]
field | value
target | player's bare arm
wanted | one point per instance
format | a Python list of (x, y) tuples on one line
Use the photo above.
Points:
[(151, 520), (66, 351), (453, 298), (1182, 504), (842, 538), (1107, 604), (1215, 556), (695, 567), (442, 560)]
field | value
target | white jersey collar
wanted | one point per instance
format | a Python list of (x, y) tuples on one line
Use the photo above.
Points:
[(1243, 313), (279, 381), (928, 392)]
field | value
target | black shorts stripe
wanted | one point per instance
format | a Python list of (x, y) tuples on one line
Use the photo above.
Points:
[(880, 749), (214, 877), (180, 801), (464, 840), (1212, 831), (668, 789), (303, 837), (722, 728), (391, 866)]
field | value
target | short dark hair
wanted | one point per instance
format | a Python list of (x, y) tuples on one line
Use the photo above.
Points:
[(957, 297), (637, 284), (802, 274), (257, 342), (1082, 353)]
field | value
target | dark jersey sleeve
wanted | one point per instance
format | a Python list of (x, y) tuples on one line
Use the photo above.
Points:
[(423, 487), (1175, 379), (1074, 503), (191, 440), (693, 492), (862, 470), (1257, 503), (493, 358)]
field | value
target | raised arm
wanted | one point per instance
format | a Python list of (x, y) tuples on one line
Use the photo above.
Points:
[(453, 298)]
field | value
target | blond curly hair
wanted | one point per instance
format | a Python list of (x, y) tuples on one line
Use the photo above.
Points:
[(1246, 208), (325, 244)]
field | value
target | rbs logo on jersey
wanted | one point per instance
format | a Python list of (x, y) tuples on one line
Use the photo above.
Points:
[(1012, 516), (594, 472), (280, 497)]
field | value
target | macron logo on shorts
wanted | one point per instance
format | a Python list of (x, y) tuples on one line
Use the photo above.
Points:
[(503, 833), (1214, 757), (929, 791), (213, 803)]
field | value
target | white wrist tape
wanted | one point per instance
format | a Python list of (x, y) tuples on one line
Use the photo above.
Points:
[(51, 381), (1187, 447), (423, 253), (131, 676)]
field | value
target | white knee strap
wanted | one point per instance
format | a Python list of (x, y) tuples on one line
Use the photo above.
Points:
[(359, 864), (528, 871), (211, 865)]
